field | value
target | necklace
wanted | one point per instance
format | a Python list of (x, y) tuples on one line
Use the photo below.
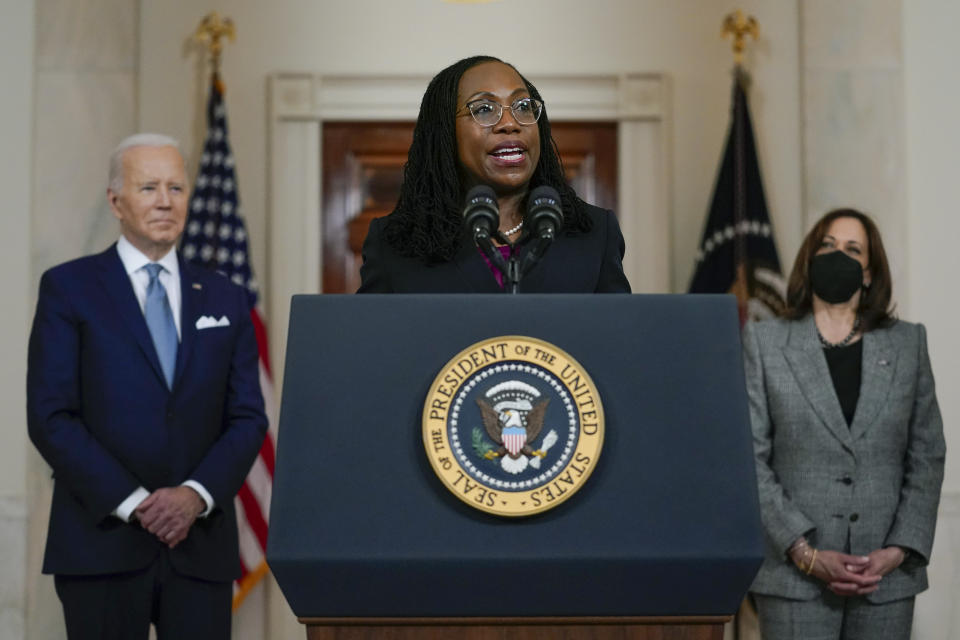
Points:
[(833, 345), (510, 232)]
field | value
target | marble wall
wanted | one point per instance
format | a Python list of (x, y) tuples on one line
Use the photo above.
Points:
[(936, 616), (855, 75), (16, 108), (85, 101), (853, 120), (13, 518), (932, 102)]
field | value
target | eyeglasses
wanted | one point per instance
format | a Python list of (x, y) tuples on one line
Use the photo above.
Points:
[(488, 113)]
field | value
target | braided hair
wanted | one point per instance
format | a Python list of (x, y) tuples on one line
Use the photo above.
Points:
[(427, 223)]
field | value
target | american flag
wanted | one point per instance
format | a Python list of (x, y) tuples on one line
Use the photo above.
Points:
[(216, 238)]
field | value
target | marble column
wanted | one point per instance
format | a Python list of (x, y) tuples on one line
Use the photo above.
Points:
[(16, 108), (854, 152), (86, 80), (84, 103)]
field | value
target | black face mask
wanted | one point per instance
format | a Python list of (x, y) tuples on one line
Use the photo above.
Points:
[(835, 276)]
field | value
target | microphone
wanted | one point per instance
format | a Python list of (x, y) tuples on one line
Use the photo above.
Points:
[(546, 219), (544, 212), (481, 212)]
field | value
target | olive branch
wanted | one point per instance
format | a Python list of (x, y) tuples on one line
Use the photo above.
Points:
[(480, 444)]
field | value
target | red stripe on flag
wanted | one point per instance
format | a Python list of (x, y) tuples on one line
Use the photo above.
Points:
[(261, 331), (267, 454), (255, 519)]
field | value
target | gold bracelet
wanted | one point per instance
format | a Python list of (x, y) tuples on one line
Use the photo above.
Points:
[(812, 561), (800, 548)]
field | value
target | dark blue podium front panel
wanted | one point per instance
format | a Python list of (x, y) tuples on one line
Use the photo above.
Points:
[(668, 524)]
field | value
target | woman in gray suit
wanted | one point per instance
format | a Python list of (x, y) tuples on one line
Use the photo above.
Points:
[(849, 445)]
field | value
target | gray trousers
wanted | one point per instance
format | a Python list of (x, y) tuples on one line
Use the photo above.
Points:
[(833, 617)]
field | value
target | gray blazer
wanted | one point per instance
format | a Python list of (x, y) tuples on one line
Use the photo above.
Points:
[(857, 488)]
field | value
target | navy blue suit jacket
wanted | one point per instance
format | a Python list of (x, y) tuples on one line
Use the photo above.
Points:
[(101, 415)]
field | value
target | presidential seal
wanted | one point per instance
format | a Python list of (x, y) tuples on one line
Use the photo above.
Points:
[(513, 425)]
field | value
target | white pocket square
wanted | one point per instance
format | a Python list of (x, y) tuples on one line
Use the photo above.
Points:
[(207, 322)]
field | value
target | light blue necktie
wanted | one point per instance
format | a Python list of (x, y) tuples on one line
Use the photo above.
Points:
[(160, 322)]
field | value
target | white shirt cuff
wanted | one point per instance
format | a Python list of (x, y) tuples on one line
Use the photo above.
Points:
[(207, 498), (125, 510)]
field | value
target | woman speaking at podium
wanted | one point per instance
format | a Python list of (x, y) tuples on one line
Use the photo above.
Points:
[(849, 445), (482, 123)]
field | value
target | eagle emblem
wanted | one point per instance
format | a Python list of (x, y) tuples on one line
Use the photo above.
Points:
[(513, 425), (513, 415)]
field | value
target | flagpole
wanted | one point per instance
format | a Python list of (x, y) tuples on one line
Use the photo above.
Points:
[(739, 26), (216, 238)]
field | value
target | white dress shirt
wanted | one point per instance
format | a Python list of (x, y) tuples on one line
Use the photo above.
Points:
[(134, 262)]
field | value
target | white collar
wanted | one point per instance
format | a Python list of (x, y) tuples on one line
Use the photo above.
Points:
[(133, 259)]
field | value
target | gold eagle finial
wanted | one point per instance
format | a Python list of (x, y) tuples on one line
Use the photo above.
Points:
[(739, 26), (210, 32)]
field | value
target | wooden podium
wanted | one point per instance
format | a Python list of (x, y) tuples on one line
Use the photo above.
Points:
[(661, 542), (607, 628)]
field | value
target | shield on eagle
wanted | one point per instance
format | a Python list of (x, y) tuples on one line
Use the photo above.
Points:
[(513, 439), (513, 415)]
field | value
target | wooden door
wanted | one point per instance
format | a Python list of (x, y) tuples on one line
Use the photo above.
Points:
[(363, 169)]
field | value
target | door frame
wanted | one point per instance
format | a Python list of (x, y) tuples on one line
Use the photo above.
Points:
[(299, 103)]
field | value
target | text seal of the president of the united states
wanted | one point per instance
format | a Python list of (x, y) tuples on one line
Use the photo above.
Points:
[(513, 425)]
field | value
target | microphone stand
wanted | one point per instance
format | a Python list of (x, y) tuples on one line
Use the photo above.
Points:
[(533, 256), (512, 268), (509, 267), (517, 269), (485, 242), (511, 277)]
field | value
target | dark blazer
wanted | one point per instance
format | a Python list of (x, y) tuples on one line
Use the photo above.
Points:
[(584, 263), (871, 484), (101, 415)]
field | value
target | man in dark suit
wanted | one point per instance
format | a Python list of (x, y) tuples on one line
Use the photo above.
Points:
[(143, 396)]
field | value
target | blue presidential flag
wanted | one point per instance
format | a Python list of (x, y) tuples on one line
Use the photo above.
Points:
[(737, 253)]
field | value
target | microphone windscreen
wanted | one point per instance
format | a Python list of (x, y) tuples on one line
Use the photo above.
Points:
[(545, 196), (544, 205), (480, 195), (481, 213)]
